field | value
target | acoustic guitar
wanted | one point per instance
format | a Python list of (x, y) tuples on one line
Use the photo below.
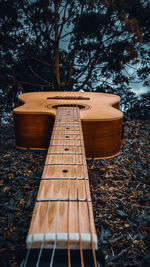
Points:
[(78, 125)]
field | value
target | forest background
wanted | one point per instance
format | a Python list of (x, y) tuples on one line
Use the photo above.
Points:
[(88, 45), (100, 46)]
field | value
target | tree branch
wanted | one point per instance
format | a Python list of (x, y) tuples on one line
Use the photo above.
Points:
[(37, 75), (63, 20), (41, 61), (36, 84), (56, 65), (70, 71), (89, 74)]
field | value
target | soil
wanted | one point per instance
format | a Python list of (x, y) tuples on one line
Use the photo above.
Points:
[(120, 189)]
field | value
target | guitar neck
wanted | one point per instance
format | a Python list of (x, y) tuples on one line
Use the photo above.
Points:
[(63, 215)]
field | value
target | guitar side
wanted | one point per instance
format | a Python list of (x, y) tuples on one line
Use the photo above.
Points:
[(102, 134)]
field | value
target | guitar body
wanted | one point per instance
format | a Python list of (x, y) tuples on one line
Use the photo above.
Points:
[(100, 117), (71, 127)]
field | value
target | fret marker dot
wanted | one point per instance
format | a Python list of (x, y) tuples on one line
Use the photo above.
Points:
[(65, 171)]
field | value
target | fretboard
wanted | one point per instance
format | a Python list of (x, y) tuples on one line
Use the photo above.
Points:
[(63, 211)]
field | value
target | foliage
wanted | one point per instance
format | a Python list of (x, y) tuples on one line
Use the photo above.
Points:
[(140, 108), (72, 45)]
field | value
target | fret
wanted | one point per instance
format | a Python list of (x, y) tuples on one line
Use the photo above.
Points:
[(64, 117), (61, 142), (65, 171), (66, 149), (70, 118), (64, 128), (62, 121), (65, 159), (66, 135), (74, 123), (68, 125), (67, 132), (72, 190), (63, 178), (63, 199)]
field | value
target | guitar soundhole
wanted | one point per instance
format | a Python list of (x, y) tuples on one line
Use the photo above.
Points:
[(67, 128), (65, 171), (66, 149), (55, 106), (67, 136)]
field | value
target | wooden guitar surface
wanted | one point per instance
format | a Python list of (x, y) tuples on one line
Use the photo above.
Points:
[(78, 125), (101, 120)]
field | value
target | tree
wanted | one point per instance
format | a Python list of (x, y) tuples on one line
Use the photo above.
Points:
[(72, 45), (140, 108)]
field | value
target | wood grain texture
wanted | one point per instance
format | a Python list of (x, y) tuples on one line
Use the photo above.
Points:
[(42, 229), (102, 139), (102, 122), (100, 106), (65, 159), (63, 212), (33, 130), (59, 172), (64, 189), (66, 149)]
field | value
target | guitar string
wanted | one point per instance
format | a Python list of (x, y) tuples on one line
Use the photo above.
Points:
[(82, 148), (32, 235), (78, 202), (73, 117), (88, 203), (47, 212), (86, 191), (41, 248), (58, 204), (92, 233), (68, 183), (68, 111), (33, 228), (48, 206), (64, 110), (74, 128)]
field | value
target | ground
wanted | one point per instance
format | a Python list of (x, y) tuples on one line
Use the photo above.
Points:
[(120, 189)]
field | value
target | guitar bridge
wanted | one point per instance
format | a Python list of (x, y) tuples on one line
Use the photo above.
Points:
[(69, 97)]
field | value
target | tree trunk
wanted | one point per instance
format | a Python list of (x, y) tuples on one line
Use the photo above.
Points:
[(56, 65)]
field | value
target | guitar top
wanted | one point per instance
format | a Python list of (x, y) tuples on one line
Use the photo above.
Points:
[(93, 106), (99, 112)]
